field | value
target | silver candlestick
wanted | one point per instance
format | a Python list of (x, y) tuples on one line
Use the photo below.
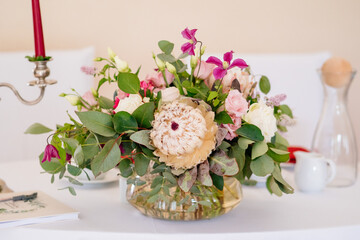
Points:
[(41, 71)]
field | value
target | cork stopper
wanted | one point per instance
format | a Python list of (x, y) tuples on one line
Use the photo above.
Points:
[(336, 72)]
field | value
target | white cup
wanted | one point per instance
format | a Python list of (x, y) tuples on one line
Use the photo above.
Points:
[(313, 171)]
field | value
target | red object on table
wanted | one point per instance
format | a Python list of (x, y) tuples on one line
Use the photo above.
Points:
[(38, 31), (295, 149)]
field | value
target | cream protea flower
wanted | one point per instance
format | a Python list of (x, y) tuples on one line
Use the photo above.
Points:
[(183, 133)]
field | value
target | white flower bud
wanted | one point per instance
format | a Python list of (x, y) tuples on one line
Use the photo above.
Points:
[(170, 68), (160, 64), (73, 100), (193, 62), (202, 50), (111, 54), (121, 65)]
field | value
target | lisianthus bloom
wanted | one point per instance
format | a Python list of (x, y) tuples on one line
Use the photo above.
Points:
[(157, 78), (236, 104), (50, 152), (224, 66), (189, 47), (170, 94), (205, 71), (262, 116), (183, 133), (89, 98)]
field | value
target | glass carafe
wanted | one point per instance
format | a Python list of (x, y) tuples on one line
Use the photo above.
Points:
[(334, 137)]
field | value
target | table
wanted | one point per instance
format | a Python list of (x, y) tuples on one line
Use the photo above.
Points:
[(332, 214)]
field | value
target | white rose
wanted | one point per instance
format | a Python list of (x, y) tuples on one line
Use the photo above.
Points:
[(262, 116), (169, 94), (130, 103)]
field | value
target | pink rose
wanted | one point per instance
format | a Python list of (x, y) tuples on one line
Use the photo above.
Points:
[(205, 70), (157, 78), (236, 104), (232, 128), (89, 98)]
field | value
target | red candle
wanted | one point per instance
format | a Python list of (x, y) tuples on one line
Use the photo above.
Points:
[(38, 32)]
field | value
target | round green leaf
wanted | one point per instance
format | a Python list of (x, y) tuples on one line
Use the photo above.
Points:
[(144, 114), (123, 121), (52, 167), (262, 166), (128, 82), (251, 132), (264, 84)]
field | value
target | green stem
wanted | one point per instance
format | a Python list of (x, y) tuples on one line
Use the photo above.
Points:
[(179, 86), (164, 76)]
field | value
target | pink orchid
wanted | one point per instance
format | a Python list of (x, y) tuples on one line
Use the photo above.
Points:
[(189, 47), (50, 152), (224, 66)]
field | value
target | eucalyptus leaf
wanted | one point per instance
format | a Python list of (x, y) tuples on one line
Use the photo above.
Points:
[(166, 46), (204, 174), (170, 177), (123, 121), (244, 142), (218, 181), (143, 138), (52, 167), (73, 170), (125, 168), (251, 132), (262, 166), (279, 155), (259, 149), (285, 109), (79, 155), (74, 181), (187, 179), (264, 84), (71, 142), (128, 82), (223, 118), (107, 159), (141, 164), (90, 147), (144, 114), (221, 164), (98, 122), (158, 180), (37, 128), (166, 57), (106, 103), (273, 187)]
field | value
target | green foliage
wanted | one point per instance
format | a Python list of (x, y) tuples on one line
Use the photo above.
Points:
[(141, 164), (264, 84), (125, 167), (285, 109), (128, 82), (258, 149), (90, 147), (107, 159), (223, 118), (251, 132), (278, 155), (187, 179), (52, 167), (221, 164), (123, 121), (218, 181), (166, 46), (144, 114), (142, 137), (244, 142), (98, 122), (262, 166), (105, 103), (73, 170), (37, 128)]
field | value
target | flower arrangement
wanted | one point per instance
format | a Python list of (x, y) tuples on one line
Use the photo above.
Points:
[(176, 132)]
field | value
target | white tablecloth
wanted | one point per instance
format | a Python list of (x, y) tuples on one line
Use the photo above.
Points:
[(332, 214)]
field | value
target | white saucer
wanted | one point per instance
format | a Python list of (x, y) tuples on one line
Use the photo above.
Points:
[(110, 176)]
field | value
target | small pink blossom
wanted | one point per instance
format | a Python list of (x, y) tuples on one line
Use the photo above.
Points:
[(157, 79), (189, 47), (205, 71), (232, 128), (50, 152), (236, 104), (276, 100), (146, 85), (224, 66), (88, 70), (89, 98)]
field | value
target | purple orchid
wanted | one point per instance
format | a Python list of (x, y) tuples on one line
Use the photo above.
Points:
[(224, 66), (189, 47), (50, 152)]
